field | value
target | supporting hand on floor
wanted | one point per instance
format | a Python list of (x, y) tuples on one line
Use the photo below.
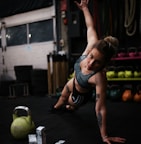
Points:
[(109, 140)]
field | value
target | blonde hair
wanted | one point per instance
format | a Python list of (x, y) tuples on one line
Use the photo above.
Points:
[(108, 47), (113, 41)]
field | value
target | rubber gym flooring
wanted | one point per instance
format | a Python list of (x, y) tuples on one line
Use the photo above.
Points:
[(79, 127)]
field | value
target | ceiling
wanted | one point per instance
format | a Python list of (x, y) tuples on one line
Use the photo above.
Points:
[(12, 7)]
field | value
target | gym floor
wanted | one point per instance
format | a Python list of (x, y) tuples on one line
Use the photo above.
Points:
[(123, 119)]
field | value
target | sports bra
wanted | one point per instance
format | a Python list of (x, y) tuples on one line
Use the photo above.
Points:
[(81, 78)]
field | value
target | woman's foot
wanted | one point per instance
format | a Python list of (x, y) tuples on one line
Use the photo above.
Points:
[(65, 108), (69, 107)]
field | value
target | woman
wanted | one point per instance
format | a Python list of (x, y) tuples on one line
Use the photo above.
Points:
[(89, 74)]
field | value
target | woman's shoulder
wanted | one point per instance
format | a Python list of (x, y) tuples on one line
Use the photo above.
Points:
[(100, 76), (82, 57), (101, 73)]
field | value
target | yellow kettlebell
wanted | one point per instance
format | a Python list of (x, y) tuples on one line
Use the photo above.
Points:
[(22, 125)]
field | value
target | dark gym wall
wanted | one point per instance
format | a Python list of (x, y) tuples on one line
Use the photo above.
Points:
[(8, 7), (109, 17)]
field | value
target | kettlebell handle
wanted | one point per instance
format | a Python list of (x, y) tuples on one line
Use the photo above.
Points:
[(22, 108), (15, 115)]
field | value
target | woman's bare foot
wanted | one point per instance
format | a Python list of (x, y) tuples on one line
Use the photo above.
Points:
[(69, 107)]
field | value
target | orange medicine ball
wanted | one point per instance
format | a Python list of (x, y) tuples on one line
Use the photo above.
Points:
[(127, 95), (137, 97)]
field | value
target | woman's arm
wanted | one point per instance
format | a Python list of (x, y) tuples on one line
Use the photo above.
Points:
[(91, 32), (100, 108), (101, 86)]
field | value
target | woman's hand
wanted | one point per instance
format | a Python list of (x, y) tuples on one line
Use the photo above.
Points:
[(83, 4), (108, 140)]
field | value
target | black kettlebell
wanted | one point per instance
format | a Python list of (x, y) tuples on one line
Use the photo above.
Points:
[(115, 92)]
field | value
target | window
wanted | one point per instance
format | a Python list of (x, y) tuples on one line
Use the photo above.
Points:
[(16, 35), (41, 31)]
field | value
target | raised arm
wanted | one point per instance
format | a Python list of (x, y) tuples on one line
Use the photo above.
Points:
[(91, 32)]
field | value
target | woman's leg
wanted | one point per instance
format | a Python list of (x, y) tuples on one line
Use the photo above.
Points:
[(70, 105), (63, 99), (66, 98)]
